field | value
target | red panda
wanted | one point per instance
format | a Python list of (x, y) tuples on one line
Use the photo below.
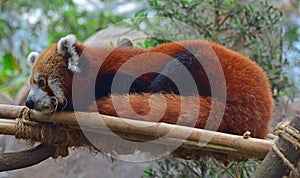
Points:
[(153, 76)]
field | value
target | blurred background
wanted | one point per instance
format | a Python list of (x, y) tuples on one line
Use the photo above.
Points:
[(267, 31)]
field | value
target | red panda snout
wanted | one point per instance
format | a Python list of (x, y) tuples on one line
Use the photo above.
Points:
[(46, 94), (40, 100)]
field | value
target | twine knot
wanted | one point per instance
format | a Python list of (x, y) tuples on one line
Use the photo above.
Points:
[(58, 135)]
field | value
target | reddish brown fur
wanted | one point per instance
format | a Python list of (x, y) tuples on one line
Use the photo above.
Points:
[(249, 100)]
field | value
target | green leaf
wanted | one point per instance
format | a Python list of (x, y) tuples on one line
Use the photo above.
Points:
[(184, 1), (250, 8), (231, 2), (10, 63), (239, 23), (154, 3)]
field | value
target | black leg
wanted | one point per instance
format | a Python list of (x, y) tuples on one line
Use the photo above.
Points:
[(183, 75)]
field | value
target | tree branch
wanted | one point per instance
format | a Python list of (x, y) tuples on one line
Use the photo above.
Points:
[(25, 158)]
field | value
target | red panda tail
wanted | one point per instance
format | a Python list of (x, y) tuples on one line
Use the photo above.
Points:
[(192, 111)]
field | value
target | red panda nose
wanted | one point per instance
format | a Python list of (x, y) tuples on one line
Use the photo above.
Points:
[(29, 103)]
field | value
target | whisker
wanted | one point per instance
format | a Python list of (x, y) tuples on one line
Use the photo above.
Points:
[(55, 106), (66, 103)]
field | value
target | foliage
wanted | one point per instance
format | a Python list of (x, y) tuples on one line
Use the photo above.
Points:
[(291, 39), (10, 74), (31, 25), (251, 27), (208, 167)]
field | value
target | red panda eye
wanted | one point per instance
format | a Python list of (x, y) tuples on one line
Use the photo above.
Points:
[(41, 83)]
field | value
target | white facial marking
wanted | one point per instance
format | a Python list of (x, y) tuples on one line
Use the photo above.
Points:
[(55, 86), (66, 46), (36, 77), (42, 101)]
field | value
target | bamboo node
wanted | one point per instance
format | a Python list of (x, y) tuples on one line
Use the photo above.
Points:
[(247, 135)]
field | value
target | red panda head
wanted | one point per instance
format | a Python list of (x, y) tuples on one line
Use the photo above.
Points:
[(51, 69)]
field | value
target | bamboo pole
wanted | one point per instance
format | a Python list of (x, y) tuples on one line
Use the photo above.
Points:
[(191, 145), (140, 130), (10, 111), (96, 121), (8, 127)]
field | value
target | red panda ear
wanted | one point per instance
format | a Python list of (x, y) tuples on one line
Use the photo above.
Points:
[(125, 42), (32, 57), (67, 47)]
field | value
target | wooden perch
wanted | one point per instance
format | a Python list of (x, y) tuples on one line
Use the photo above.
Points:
[(186, 137), (251, 147), (285, 154), (26, 158), (97, 122)]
